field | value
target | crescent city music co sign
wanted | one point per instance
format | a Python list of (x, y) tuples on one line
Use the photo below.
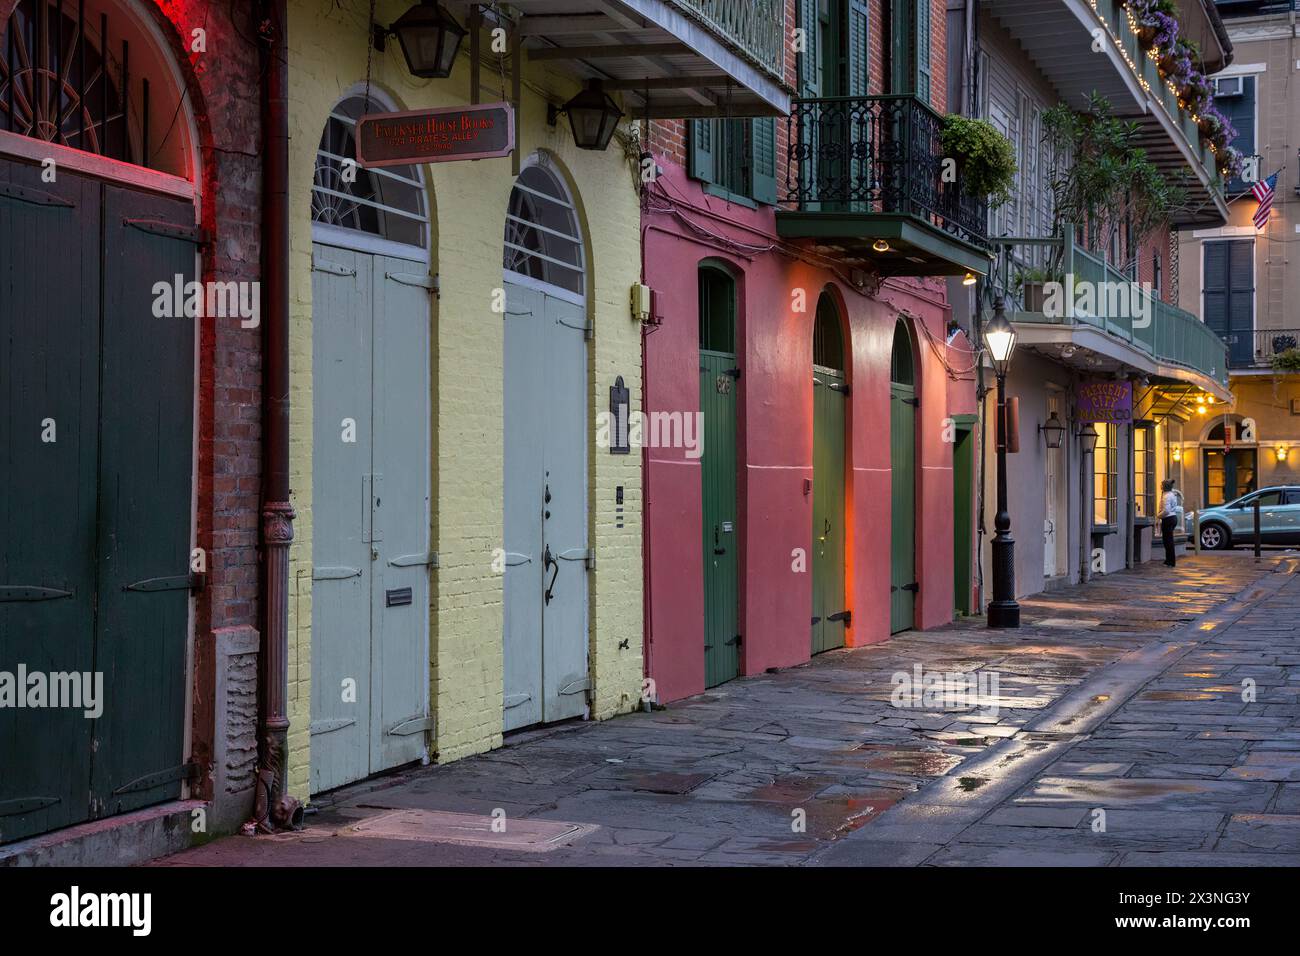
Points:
[(1100, 400), (436, 136)]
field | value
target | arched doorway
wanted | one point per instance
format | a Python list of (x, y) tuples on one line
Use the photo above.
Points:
[(830, 406), (718, 376), (371, 434), (97, 361), (546, 460), (1230, 463), (902, 466)]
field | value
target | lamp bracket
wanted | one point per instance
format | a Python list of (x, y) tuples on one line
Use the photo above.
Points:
[(379, 35)]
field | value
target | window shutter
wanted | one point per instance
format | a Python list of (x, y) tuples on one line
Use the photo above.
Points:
[(859, 48), (703, 150), (762, 144), (809, 59), (922, 39), (1240, 111), (1216, 286)]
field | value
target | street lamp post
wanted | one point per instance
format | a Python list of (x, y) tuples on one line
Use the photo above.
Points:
[(1000, 340)]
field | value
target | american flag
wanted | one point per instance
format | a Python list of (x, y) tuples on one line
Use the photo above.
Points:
[(1264, 193)]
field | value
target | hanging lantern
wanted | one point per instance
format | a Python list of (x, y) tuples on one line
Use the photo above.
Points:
[(1088, 438), (1053, 430), (593, 117), (1000, 339), (430, 38)]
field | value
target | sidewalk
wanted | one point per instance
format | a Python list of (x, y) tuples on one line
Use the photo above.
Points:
[(1122, 695)]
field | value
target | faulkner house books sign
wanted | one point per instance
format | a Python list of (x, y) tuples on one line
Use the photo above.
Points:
[(436, 136)]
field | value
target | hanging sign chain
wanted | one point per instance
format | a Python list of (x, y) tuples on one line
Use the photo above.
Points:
[(370, 51)]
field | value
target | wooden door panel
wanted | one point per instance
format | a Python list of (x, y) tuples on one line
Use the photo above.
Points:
[(49, 382), (720, 537)]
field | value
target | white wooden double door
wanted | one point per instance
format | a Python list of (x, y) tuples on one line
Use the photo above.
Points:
[(370, 514), (546, 543)]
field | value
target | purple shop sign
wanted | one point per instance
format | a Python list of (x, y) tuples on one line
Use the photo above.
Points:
[(436, 136), (1100, 400)]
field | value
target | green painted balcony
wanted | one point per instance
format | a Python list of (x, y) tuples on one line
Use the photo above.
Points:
[(864, 182), (1105, 331)]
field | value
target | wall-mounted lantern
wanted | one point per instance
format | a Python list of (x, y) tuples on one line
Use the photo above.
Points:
[(593, 116), (1281, 452), (619, 398), (1088, 437), (430, 39), (1053, 430), (1177, 453)]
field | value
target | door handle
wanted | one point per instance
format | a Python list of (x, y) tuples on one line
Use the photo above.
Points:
[(717, 543), (550, 562)]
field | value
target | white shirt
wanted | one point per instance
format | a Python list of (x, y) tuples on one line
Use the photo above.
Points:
[(1169, 505)]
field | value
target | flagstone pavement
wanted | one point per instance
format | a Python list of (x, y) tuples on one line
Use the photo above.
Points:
[(1150, 717)]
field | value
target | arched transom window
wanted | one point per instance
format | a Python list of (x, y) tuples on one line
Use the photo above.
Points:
[(542, 238), (387, 203)]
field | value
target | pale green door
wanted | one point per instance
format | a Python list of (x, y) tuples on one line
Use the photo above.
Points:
[(902, 446), (830, 398)]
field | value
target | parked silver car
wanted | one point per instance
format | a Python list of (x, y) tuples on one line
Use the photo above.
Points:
[(1234, 523)]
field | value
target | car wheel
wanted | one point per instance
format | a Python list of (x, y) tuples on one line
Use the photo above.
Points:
[(1214, 537)]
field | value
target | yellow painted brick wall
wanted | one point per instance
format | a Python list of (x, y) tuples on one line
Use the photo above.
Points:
[(328, 52)]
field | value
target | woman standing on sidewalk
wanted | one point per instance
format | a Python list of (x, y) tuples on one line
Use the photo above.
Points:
[(1168, 519)]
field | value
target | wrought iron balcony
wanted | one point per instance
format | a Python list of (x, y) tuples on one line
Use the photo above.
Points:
[(864, 175), (755, 27), (1257, 349), (1144, 333)]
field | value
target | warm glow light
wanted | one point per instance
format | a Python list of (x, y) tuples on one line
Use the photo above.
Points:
[(1200, 409), (880, 245), (1178, 454), (969, 279), (1281, 452)]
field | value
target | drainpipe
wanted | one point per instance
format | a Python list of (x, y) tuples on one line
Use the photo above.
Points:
[(274, 808)]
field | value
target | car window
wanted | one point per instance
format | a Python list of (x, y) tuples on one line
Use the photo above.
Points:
[(1266, 499), (1293, 497)]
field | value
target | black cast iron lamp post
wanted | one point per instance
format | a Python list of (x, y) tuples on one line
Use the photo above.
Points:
[(430, 38), (593, 117), (1000, 340)]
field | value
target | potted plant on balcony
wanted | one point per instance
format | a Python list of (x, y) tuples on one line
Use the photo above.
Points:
[(1287, 360), (1103, 179), (986, 161), (1216, 128), (1153, 21), (1031, 284)]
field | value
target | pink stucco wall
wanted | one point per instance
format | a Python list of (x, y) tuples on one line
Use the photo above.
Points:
[(683, 226)]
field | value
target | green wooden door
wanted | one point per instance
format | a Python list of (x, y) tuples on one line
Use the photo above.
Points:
[(828, 601), (719, 375), (902, 447), (97, 444), (963, 476)]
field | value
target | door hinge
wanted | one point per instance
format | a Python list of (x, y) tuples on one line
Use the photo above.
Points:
[(170, 230), (845, 616), (331, 268), (415, 560), (9, 808), (914, 587), (734, 641), (816, 620), (31, 593), (328, 725), (194, 582), (185, 771), (428, 283), (413, 725), (586, 555), (577, 686), (914, 402), (733, 372), (33, 197)]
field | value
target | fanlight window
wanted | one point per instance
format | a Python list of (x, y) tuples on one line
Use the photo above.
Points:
[(900, 361), (86, 75), (828, 347), (542, 238), (388, 202)]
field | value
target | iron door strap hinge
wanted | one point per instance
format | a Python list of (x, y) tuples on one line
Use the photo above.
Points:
[(733, 372), (334, 574), (838, 387), (12, 593), (914, 587), (514, 700), (330, 268), (9, 808), (734, 641), (413, 725), (816, 620), (586, 555), (914, 402), (186, 771), (34, 197), (194, 582), (429, 559), (426, 282), (330, 724), (169, 230), (576, 686), (845, 616)]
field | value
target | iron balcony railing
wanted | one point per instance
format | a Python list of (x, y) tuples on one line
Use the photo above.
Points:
[(877, 154), (1022, 268), (1266, 343), (755, 27)]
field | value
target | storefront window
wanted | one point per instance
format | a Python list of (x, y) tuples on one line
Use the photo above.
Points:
[(1105, 484), (1144, 469)]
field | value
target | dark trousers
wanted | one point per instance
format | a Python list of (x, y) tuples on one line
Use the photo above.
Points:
[(1167, 526)]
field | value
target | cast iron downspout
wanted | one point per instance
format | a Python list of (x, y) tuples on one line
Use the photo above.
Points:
[(274, 807)]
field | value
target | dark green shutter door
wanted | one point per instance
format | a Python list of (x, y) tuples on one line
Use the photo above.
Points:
[(859, 48), (962, 487), (924, 69), (701, 150), (1240, 111), (902, 442), (763, 160), (810, 58), (145, 481), (828, 510), (1241, 300), (718, 402), (49, 351)]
